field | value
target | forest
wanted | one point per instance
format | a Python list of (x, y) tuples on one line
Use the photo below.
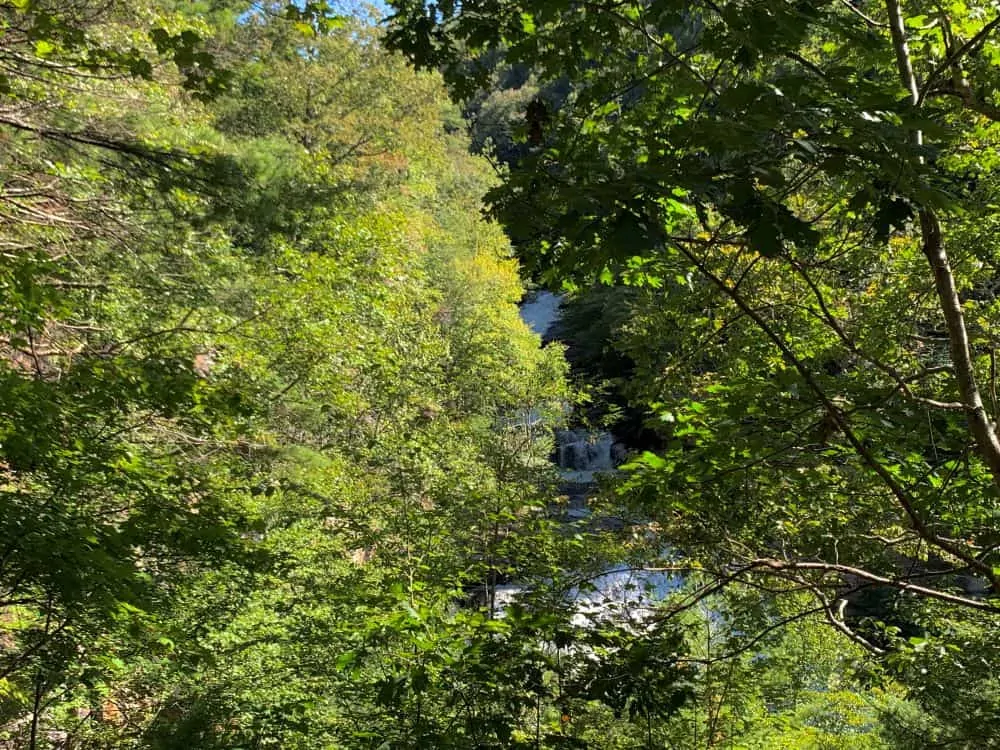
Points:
[(283, 464)]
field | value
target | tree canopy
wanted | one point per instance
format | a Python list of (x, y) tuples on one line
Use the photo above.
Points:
[(276, 449), (799, 196)]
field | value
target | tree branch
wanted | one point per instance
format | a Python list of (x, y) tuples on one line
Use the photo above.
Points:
[(955, 56), (860, 14), (903, 498), (902, 383), (902, 585)]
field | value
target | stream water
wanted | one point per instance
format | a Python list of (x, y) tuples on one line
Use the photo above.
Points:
[(582, 456)]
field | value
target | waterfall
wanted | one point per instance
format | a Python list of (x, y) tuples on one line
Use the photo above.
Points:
[(583, 454), (582, 457)]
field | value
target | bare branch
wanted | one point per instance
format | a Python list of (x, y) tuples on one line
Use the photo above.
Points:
[(901, 381), (902, 585), (862, 15), (840, 419)]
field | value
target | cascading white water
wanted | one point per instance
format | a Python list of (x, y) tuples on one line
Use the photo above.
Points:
[(622, 592), (582, 456)]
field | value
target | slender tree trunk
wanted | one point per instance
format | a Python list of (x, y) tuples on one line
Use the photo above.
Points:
[(36, 706), (35, 711), (958, 341), (934, 250)]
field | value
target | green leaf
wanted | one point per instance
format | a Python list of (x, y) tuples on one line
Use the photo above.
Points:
[(305, 29)]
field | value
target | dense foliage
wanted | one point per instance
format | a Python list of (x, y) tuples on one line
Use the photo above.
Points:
[(796, 203), (265, 387), (275, 444)]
